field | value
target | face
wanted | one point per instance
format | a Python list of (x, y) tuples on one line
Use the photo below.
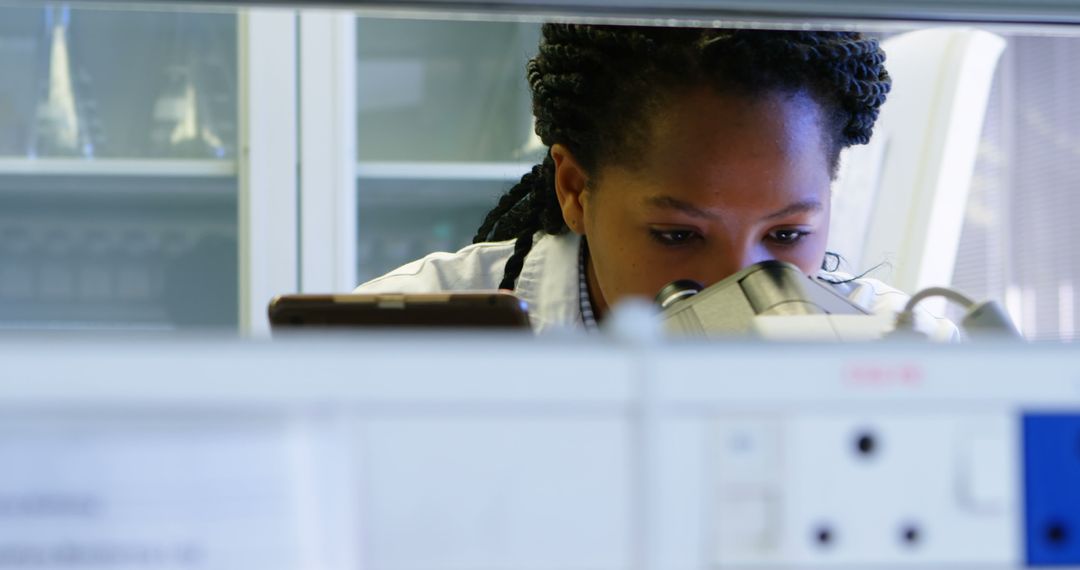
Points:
[(724, 182)]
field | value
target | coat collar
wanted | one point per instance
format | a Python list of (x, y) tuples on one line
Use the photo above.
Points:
[(549, 281)]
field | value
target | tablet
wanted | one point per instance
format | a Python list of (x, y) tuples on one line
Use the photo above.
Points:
[(415, 310)]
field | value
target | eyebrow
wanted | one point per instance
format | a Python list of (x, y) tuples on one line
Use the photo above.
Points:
[(671, 203), (800, 207)]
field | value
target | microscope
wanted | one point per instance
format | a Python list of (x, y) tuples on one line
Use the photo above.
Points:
[(775, 300)]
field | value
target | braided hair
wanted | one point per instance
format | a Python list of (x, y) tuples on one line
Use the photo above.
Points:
[(593, 86)]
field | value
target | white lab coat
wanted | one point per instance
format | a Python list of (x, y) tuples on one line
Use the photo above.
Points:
[(549, 283)]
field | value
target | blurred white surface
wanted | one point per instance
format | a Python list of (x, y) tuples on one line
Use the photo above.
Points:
[(900, 200), (461, 451)]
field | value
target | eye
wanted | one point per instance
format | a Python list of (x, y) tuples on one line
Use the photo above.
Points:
[(674, 237), (787, 236)]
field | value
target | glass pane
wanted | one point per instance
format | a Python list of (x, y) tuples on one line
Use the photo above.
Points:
[(443, 90), (402, 219), (117, 84), (99, 227), (444, 127)]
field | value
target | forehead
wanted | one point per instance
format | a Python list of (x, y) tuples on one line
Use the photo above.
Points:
[(735, 150)]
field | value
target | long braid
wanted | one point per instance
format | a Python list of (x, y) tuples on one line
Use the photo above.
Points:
[(522, 244), (592, 87), (528, 205), (506, 203)]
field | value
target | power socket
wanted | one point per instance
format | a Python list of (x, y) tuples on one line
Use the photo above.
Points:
[(867, 490), (1052, 489)]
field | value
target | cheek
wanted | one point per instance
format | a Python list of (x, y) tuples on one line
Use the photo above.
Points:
[(614, 245), (618, 261), (646, 269), (624, 262), (810, 256)]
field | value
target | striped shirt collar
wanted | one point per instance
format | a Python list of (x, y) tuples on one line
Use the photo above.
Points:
[(588, 318)]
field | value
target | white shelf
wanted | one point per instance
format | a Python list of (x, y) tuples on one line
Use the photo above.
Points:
[(117, 167), (495, 171), (436, 184), (103, 327)]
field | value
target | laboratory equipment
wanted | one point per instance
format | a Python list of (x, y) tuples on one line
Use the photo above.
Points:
[(761, 299), (66, 120), (986, 319), (189, 120), (775, 299)]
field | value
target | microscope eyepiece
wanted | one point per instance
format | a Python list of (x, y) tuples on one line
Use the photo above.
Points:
[(677, 291)]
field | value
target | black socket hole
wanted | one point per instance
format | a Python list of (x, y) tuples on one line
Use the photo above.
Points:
[(824, 536), (1057, 533), (911, 535), (866, 444)]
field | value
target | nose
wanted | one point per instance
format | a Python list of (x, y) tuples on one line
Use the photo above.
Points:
[(736, 257)]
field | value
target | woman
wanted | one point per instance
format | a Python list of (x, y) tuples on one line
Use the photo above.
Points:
[(673, 153)]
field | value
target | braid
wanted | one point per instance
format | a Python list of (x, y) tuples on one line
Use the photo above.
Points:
[(528, 207), (506, 203), (593, 87), (529, 204), (522, 245)]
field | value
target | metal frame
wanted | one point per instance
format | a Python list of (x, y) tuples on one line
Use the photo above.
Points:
[(327, 110), (706, 12), (297, 165), (268, 160)]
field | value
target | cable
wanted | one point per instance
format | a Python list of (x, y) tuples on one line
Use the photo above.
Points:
[(986, 319), (954, 296)]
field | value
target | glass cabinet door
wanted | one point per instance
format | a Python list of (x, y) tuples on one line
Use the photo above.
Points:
[(444, 127), (118, 186)]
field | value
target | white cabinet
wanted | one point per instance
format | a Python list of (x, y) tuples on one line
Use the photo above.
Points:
[(211, 159), (118, 178)]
